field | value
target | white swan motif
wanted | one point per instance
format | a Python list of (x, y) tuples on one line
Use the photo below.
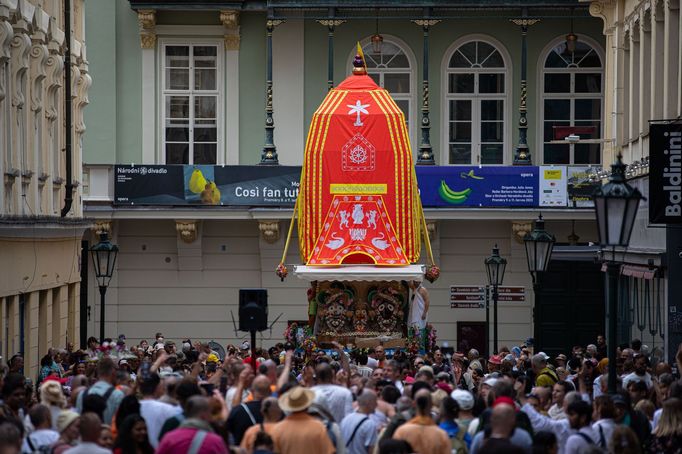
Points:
[(379, 242), (335, 242)]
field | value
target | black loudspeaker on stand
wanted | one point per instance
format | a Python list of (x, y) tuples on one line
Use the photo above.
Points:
[(253, 309), (253, 315)]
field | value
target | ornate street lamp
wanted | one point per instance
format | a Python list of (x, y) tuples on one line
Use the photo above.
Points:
[(571, 39), (104, 260), (539, 244), (615, 204), (377, 40), (494, 266)]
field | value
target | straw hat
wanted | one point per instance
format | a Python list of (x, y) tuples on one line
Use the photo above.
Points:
[(296, 399), (65, 419)]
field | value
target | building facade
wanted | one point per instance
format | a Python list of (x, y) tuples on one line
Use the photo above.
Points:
[(644, 85), (186, 83), (40, 233)]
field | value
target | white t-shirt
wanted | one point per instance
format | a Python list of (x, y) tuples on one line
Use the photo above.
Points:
[(42, 437), (337, 399), (156, 413), (365, 435), (577, 444)]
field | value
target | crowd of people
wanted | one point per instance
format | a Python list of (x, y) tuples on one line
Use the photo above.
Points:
[(162, 397)]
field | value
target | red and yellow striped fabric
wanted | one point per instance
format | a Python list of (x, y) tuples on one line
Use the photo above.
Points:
[(358, 145)]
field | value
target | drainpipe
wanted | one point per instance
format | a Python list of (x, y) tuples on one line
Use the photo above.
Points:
[(68, 197)]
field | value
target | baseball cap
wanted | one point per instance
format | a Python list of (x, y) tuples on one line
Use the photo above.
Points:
[(490, 381), (561, 357), (212, 358), (544, 355), (617, 399), (464, 399)]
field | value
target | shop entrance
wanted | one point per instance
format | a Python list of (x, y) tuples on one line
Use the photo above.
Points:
[(569, 307)]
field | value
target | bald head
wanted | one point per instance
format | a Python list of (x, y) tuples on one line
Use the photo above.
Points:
[(423, 401), (198, 407), (90, 427), (503, 419), (367, 401), (261, 387)]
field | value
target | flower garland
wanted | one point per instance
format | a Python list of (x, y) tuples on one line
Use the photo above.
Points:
[(297, 335), (420, 340)]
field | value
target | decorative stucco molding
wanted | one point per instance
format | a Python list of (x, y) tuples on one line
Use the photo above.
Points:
[(20, 49), (520, 229), (6, 35), (269, 231), (230, 20), (39, 55), (232, 42), (102, 227), (55, 75), (187, 230), (146, 19), (81, 100), (605, 10)]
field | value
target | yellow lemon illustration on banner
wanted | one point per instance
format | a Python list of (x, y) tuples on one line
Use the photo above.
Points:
[(197, 182)]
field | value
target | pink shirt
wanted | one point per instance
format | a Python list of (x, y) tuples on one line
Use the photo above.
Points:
[(179, 440)]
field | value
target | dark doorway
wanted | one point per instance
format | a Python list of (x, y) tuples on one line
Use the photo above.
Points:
[(569, 307), (472, 335)]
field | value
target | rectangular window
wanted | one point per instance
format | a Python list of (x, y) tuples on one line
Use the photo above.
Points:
[(572, 99), (476, 133), (192, 100)]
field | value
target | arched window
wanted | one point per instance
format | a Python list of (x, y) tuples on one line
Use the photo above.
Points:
[(393, 69), (477, 90), (572, 102)]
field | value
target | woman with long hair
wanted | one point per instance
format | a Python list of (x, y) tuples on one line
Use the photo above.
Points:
[(667, 436), (624, 441), (132, 437), (52, 396)]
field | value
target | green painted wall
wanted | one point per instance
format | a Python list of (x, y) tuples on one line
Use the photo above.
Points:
[(128, 85), (252, 87), (99, 141)]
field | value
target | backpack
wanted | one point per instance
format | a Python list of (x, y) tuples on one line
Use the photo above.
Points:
[(458, 444), (330, 432), (43, 449)]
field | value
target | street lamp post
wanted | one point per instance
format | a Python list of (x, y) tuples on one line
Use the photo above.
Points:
[(495, 266), (539, 244), (104, 259), (615, 204)]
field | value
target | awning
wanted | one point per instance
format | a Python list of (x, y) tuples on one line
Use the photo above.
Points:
[(360, 273)]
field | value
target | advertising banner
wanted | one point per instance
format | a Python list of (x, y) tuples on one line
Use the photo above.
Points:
[(206, 185), (471, 186), (580, 188), (665, 173), (277, 186), (553, 186)]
